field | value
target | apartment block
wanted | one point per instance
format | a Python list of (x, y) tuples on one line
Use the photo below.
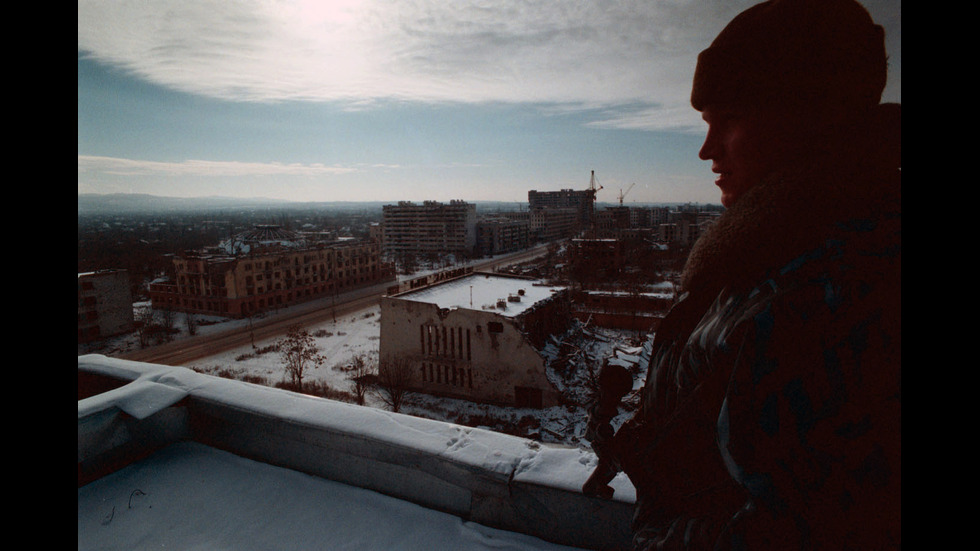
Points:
[(496, 235), (549, 224), (105, 304), (582, 201), (686, 226), (429, 228)]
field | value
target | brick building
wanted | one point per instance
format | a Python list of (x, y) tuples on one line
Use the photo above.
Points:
[(267, 268)]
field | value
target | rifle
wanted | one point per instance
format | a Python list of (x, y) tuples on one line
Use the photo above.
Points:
[(614, 383)]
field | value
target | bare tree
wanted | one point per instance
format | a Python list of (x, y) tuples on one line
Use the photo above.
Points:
[(298, 351), (394, 376), (250, 313), (168, 321), (358, 374), (144, 324), (191, 321)]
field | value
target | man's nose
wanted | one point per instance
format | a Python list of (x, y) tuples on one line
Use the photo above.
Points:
[(707, 150), (709, 147)]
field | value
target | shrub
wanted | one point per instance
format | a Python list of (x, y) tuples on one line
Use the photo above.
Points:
[(317, 388)]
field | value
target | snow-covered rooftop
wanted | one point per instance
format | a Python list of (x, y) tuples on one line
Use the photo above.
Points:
[(507, 295), (191, 495)]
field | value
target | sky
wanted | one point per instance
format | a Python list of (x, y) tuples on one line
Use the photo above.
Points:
[(391, 100)]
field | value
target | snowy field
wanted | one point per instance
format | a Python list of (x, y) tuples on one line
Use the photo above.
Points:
[(358, 334), (338, 342)]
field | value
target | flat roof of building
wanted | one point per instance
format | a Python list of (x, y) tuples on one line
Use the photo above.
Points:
[(485, 291), (165, 501)]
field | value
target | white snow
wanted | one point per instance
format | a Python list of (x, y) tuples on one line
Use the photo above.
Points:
[(338, 342), (485, 291), (190, 496), (359, 334)]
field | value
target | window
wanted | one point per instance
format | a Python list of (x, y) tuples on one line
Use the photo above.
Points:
[(452, 343)]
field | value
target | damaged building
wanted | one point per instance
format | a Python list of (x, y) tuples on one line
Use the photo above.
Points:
[(478, 337), (266, 268)]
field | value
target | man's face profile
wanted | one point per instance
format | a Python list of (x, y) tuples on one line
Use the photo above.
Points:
[(745, 145)]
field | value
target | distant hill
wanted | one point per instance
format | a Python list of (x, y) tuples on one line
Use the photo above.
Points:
[(93, 203), (123, 203)]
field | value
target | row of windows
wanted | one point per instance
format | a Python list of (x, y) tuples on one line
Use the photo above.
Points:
[(364, 255), (445, 341), (192, 299), (446, 374), (307, 267), (321, 283), (321, 276)]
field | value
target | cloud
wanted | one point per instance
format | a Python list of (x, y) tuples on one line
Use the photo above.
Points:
[(130, 167), (679, 118), (360, 51)]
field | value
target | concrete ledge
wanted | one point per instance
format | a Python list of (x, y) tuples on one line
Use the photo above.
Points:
[(493, 479), (110, 439)]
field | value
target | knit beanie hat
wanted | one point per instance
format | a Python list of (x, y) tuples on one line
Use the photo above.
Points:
[(794, 53)]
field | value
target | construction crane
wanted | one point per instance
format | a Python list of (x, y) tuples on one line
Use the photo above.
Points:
[(592, 221), (592, 184), (623, 193)]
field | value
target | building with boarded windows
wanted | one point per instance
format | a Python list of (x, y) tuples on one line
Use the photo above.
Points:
[(477, 337)]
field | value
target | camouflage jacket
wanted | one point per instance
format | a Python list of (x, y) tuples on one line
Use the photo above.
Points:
[(771, 415)]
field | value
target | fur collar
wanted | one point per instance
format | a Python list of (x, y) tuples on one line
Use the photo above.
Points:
[(779, 219)]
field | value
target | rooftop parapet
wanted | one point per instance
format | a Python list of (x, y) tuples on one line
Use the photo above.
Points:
[(127, 410)]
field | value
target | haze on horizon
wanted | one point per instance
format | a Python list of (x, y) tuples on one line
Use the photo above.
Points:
[(382, 100)]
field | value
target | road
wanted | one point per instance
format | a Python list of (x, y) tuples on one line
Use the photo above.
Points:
[(274, 324)]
